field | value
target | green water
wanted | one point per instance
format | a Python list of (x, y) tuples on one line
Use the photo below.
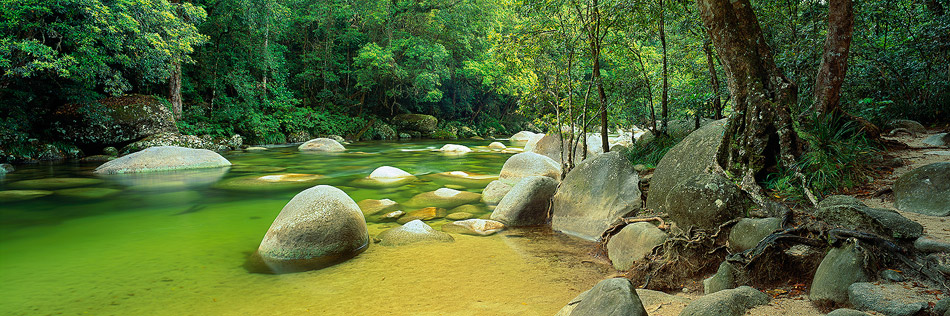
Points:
[(175, 245)]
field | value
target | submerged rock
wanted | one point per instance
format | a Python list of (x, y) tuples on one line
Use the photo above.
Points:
[(170, 180), (732, 302), (463, 178), (55, 183), (610, 297), (164, 158), (425, 214), (704, 201), (529, 164), (88, 193), (271, 182), (444, 197), (458, 216), (385, 177), (22, 195), (392, 216), (371, 207), (412, 232), (840, 268), (477, 227), (594, 195), (527, 203), (925, 190), (633, 243), (318, 227), (321, 145)]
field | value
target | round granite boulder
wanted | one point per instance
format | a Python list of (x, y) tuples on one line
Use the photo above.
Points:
[(924, 190), (385, 177), (704, 201), (321, 145), (164, 158), (530, 164), (320, 226)]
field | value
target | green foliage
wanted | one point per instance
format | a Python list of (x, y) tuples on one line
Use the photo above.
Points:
[(835, 158), (652, 152)]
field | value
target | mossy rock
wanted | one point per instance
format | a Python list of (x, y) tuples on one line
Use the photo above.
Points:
[(55, 183), (88, 193), (113, 120), (424, 124), (22, 195), (271, 182), (444, 134), (463, 178)]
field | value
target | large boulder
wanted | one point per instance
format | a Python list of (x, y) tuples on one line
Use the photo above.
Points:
[(412, 232), (732, 302), (594, 195), (443, 197), (724, 279), (688, 158), (910, 125), (522, 136), (870, 297), (421, 123), (530, 164), (840, 268), (455, 149), (113, 121), (187, 141), (164, 158), (550, 145), (321, 145), (610, 297), (924, 190), (318, 227), (633, 243), (748, 232), (848, 212), (939, 140), (527, 203), (704, 201)]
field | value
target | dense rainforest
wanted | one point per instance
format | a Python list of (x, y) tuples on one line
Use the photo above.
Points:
[(270, 69)]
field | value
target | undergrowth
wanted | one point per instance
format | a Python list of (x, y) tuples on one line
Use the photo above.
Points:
[(649, 154), (835, 158)]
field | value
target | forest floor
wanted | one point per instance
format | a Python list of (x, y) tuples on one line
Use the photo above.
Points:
[(796, 303)]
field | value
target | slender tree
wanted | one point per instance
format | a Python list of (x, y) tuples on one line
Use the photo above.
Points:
[(834, 61)]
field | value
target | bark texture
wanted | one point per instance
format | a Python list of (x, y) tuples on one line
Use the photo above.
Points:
[(760, 129), (834, 61), (174, 90)]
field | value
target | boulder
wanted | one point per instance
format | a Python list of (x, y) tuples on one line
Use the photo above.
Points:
[(527, 203), (321, 145), (939, 140), (747, 233), (391, 216), (930, 245), (175, 180), (22, 195), (385, 177), (320, 226), (868, 297), (497, 145), (846, 312), (910, 125), (533, 142), (298, 137), (54, 183), (925, 190), (495, 191), (383, 131), (732, 302), (610, 297), (703, 201), (530, 164), (455, 149), (371, 207), (113, 121), (458, 216), (6, 168), (550, 145), (270, 182), (425, 214), (724, 279), (840, 268), (412, 232), (164, 158), (522, 136), (688, 158), (444, 197), (462, 178), (849, 212), (594, 195), (476, 227), (633, 243), (179, 140), (421, 123)]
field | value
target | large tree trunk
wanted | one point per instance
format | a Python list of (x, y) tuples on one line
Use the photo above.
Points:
[(174, 90), (834, 61), (760, 130), (713, 80)]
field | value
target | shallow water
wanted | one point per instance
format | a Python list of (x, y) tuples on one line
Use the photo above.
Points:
[(175, 245)]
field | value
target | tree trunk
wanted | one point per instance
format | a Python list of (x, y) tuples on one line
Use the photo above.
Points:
[(760, 130), (174, 90), (713, 80), (664, 105), (834, 61), (594, 36)]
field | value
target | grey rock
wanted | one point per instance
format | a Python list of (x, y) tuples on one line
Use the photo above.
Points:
[(850, 213), (866, 296), (633, 243), (939, 140), (846, 312), (840, 268), (747, 233), (550, 145), (163, 158), (611, 297), (321, 145), (522, 136), (443, 197), (724, 279), (942, 306), (527, 203), (930, 245), (318, 227), (476, 227), (732, 302), (529, 164), (910, 125), (495, 191), (594, 195), (421, 123), (690, 157), (113, 121), (412, 232), (924, 190), (893, 276), (391, 216), (704, 201), (6, 168)]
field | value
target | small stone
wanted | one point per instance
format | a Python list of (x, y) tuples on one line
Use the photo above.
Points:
[(459, 216), (930, 245), (371, 207), (497, 145), (412, 232), (892, 275), (477, 227), (391, 216), (732, 302), (838, 270)]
